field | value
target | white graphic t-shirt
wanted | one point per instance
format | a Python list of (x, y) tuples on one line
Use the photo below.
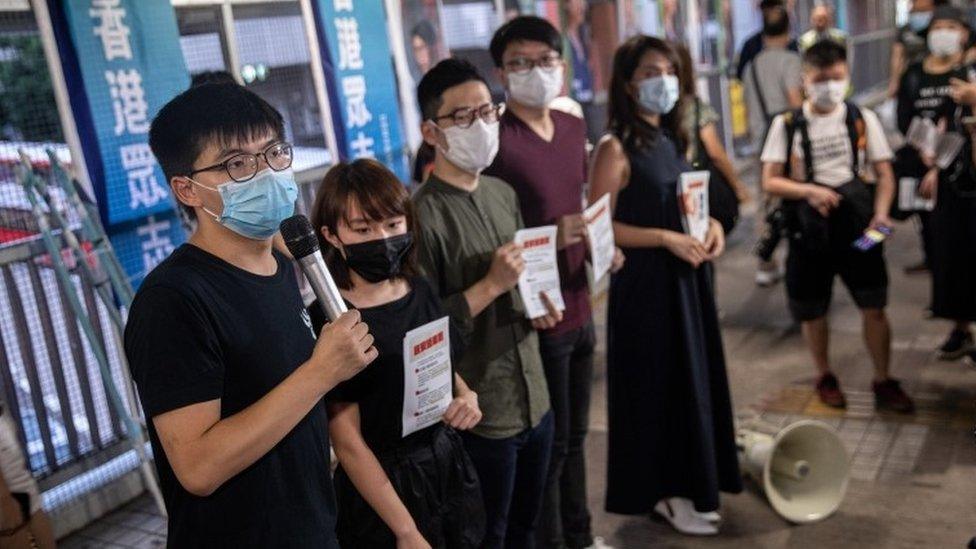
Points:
[(830, 142)]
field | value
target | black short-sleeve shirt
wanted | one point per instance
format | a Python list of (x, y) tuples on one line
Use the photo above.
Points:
[(379, 388), (202, 329)]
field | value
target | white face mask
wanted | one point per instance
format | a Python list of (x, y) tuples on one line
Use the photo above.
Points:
[(829, 94), (537, 87), (945, 42), (659, 94), (474, 148)]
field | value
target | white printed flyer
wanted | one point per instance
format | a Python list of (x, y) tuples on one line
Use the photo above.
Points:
[(427, 384), (599, 233), (693, 200), (541, 272)]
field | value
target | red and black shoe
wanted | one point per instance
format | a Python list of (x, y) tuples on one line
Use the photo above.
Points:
[(828, 389), (888, 395)]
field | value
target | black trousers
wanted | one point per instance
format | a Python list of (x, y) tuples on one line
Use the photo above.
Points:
[(437, 483), (568, 362)]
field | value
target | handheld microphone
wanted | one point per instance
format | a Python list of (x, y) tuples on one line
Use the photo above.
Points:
[(304, 247)]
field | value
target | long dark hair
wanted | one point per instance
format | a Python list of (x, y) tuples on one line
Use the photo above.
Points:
[(625, 120)]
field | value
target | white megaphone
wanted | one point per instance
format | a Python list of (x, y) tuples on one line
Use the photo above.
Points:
[(803, 469)]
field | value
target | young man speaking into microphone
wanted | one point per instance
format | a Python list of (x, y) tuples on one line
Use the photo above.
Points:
[(229, 372)]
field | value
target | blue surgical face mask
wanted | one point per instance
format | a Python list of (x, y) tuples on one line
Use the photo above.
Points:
[(919, 20), (256, 207), (659, 94)]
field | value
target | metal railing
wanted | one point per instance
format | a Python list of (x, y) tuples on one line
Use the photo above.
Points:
[(48, 373)]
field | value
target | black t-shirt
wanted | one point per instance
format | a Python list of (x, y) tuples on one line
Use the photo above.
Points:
[(379, 388), (202, 329), (927, 95)]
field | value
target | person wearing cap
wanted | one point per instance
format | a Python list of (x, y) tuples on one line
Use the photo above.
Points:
[(757, 43), (941, 89), (822, 19)]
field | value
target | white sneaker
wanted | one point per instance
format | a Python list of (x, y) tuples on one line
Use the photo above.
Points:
[(711, 516), (768, 274), (681, 514), (598, 543)]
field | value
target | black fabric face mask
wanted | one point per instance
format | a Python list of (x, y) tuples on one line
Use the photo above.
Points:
[(380, 259)]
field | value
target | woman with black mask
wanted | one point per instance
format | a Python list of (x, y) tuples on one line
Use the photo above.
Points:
[(396, 486)]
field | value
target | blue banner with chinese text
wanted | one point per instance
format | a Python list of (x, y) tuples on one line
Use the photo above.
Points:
[(131, 64), (356, 57), (122, 62)]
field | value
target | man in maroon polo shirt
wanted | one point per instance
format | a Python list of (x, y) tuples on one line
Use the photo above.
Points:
[(542, 155)]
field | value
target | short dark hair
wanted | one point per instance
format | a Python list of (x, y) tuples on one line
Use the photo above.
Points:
[(379, 194), (220, 113), (824, 54), (212, 77), (776, 21), (444, 76), (525, 28)]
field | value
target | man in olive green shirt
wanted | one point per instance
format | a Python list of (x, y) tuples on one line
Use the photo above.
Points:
[(467, 223)]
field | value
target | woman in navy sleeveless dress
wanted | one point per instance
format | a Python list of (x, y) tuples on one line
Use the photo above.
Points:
[(671, 437)]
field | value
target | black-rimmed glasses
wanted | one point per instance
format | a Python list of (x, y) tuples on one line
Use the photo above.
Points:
[(244, 166), (520, 65), (465, 116)]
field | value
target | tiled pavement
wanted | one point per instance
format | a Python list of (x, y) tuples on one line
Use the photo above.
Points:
[(913, 478)]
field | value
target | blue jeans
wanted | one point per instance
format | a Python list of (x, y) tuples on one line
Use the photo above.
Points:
[(512, 472)]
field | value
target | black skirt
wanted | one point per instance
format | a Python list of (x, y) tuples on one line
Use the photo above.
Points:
[(437, 483), (954, 250)]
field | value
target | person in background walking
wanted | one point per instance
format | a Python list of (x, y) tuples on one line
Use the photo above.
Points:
[(700, 123), (822, 21), (756, 43), (773, 84)]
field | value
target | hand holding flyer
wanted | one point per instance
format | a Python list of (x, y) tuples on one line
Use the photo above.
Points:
[(908, 198), (599, 232), (693, 200), (541, 272), (427, 382)]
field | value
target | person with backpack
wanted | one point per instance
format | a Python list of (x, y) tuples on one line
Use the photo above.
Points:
[(772, 84), (933, 90), (726, 191), (816, 159)]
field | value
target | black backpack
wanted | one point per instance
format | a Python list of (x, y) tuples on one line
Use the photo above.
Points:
[(723, 205), (857, 205)]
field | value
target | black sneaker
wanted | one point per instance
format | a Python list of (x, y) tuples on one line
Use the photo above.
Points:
[(956, 346), (888, 395)]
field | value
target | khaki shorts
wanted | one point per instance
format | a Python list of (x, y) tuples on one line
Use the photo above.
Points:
[(13, 466)]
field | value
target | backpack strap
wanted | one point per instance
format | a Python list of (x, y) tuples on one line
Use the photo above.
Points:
[(857, 130), (796, 121), (699, 162)]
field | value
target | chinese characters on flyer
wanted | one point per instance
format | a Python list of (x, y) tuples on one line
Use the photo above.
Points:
[(599, 232), (541, 272), (693, 194), (427, 383)]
